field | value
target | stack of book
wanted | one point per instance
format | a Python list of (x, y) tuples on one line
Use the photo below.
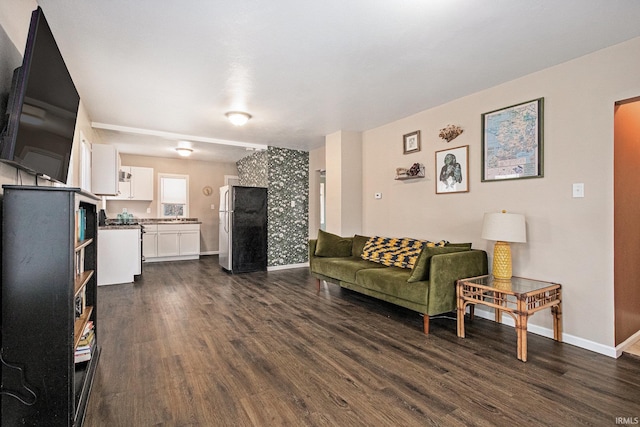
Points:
[(86, 344), (81, 224)]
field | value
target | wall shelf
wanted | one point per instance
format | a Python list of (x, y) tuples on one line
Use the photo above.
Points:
[(405, 177)]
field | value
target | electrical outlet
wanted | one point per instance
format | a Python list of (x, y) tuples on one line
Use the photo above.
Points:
[(148, 210), (578, 190)]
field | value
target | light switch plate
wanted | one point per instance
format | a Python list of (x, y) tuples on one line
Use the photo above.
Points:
[(378, 195), (578, 190)]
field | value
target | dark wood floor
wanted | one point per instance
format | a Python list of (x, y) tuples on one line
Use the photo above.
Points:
[(189, 345)]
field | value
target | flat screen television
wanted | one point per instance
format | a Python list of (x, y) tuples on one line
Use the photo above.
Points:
[(42, 108)]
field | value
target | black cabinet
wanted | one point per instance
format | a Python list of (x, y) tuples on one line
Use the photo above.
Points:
[(49, 300)]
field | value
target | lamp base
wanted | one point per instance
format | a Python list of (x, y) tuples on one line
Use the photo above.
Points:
[(502, 260)]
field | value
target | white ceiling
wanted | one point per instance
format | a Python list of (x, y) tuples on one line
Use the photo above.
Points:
[(305, 69)]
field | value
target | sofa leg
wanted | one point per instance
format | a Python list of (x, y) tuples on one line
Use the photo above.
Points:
[(426, 324), (318, 285)]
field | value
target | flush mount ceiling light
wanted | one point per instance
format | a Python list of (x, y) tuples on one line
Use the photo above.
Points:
[(184, 151), (184, 148), (238, 118)]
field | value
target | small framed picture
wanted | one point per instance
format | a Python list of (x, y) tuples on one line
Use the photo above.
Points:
[(411, 142), (452, 169)]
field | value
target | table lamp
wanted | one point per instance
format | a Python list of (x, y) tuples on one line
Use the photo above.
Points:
[(503, 227)]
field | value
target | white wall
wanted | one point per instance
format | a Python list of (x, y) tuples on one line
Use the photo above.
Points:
[(316, 163), (570, 241), (344, 183)]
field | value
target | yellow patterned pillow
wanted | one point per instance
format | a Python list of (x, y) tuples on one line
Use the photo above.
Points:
[(393, 252)]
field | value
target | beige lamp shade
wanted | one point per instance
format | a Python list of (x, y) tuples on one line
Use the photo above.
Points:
[(503, 227)]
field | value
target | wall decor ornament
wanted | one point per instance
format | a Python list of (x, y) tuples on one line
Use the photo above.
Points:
[(452, 167), (512, 142), (415, 171), (207, 190), (450, 132), (411, 142)]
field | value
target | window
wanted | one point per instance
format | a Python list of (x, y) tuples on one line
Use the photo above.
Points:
[(174, 195)]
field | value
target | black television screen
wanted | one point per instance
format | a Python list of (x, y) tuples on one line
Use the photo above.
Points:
[(42, 107)]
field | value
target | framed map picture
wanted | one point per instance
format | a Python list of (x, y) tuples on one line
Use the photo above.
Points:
[(512, 142)]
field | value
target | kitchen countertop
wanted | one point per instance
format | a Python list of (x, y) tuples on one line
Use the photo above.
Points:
[(119, 227), (112, 224)]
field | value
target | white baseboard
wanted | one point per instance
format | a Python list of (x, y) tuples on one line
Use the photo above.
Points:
[(286, 267), (210, 253), (172, 258), (546, 332)]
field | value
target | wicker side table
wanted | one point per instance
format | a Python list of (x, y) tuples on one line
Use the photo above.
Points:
[(518, 297)]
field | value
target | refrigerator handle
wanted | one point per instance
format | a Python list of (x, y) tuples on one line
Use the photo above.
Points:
[(226, 211)]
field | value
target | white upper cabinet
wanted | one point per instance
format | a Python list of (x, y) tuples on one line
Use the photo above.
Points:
[(136, 183), (104, 169)]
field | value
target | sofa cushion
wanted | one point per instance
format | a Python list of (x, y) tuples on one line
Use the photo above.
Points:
[(393, 281), (391, 251), (459, 245), (421, 268), (358, 245), (331, 245), (343, 268)]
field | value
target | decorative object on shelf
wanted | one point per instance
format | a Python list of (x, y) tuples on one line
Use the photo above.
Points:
[(411, 142), (450, 132), (502, 158), (207, 190), (453, 167), (415, 171), (503, 227)]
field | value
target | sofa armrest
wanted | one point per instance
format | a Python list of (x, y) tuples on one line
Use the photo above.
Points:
[(445, 270), (312, 248)]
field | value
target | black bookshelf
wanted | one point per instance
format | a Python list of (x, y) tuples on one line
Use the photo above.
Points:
[(49, 296)]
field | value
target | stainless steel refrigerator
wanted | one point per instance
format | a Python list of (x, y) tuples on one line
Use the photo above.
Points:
[(243, 229)]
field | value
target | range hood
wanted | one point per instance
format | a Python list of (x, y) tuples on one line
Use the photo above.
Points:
[(124, 176)]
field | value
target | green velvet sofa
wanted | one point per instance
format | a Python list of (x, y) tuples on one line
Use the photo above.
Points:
[(428, 288)]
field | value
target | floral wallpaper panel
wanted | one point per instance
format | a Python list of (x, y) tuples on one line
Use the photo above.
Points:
[(285, 173)]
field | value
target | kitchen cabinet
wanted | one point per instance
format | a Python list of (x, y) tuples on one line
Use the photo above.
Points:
[(105, 164), (150, 241), (172, 242), (119, 255), (138, 185)]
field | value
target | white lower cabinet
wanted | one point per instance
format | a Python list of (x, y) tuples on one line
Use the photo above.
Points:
[(150, 241), (189, 242), (169, 242), (118, 255)]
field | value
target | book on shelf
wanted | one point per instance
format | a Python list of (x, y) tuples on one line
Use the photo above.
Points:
[(86, 340), (78, 358), (84, 350), (81, 223)]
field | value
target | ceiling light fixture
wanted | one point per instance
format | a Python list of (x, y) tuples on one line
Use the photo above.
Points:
[(184, 151), (238, 118)]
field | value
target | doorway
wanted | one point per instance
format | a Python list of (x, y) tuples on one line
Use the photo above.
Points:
[(323, 199), (626, 234)]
